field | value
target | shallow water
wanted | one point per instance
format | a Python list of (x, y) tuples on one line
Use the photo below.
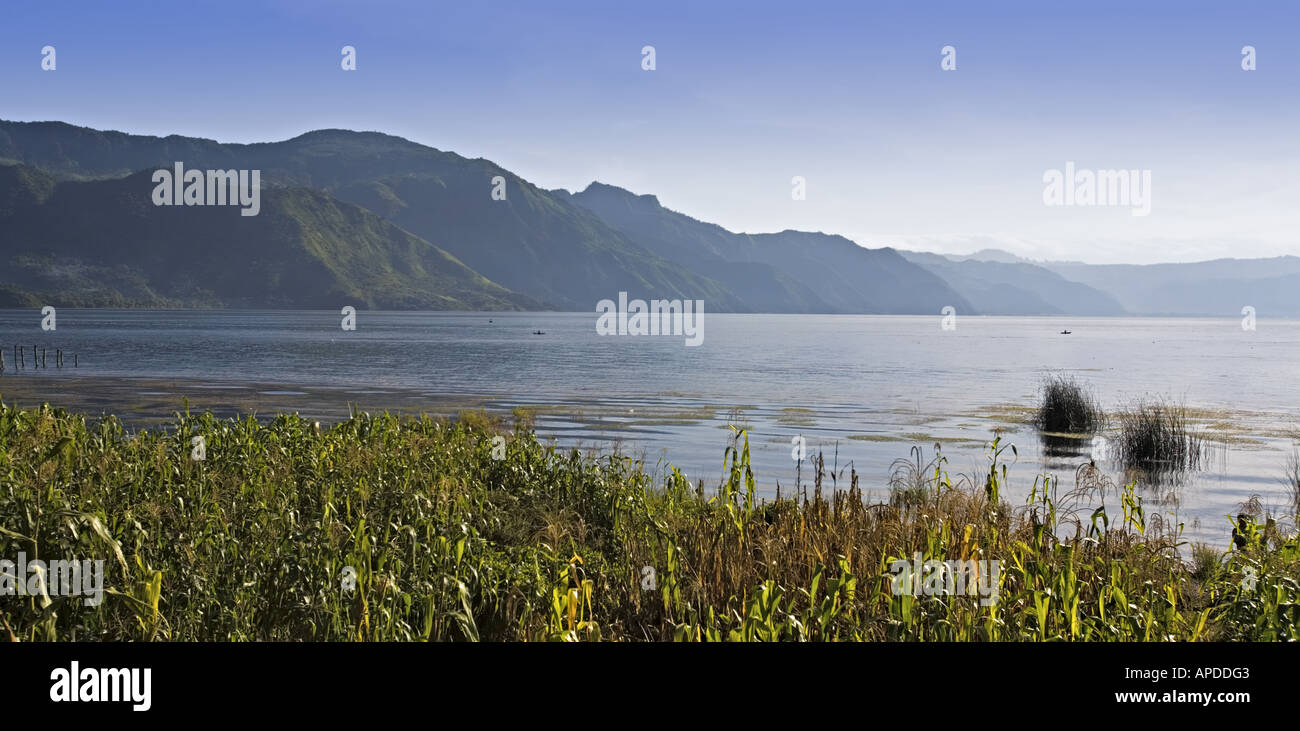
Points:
[(870, 387)]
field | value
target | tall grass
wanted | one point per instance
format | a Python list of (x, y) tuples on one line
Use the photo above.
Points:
[(1065, 407), (912, 482), (1154, 437), (442, 540)]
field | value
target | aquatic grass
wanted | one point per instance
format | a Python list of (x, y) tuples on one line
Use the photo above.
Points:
[(1154, 437), (397, 528), (1066, 407)]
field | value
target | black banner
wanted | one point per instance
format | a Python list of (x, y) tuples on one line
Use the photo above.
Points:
[(53, 681)]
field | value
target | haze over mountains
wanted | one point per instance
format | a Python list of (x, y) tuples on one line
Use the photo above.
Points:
[(378, 221), (1220, 287), (1002, 287)]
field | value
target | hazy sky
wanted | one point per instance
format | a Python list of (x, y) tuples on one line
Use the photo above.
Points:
[(745, 96)]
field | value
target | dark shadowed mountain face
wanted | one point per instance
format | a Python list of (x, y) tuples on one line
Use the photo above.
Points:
[(1003, 288), (531, 242), (104, 243), (791, 271)]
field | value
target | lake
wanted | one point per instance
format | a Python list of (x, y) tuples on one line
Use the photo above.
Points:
[(865, 389)]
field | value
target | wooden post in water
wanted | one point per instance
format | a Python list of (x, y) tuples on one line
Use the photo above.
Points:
[(20, 353), (2, 361), (58, 358), (43, 358), (74, 360)]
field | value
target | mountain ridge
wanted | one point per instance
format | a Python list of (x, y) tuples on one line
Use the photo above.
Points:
[(541, 248), (794, 271)]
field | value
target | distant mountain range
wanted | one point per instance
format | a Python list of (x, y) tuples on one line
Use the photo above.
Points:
[(1218, 287), (1221, 287), (382, 222), (1007, 287)]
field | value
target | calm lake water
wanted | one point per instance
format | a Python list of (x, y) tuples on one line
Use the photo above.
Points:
[(869, 386)]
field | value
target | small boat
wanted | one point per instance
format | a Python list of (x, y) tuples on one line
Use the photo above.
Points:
[(538, 332), (1065, 332)]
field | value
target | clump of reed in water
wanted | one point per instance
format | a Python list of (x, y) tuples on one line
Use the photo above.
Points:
[(1154, 437), (1065, 407)]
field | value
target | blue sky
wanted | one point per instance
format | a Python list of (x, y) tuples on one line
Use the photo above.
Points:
[(745, 96)]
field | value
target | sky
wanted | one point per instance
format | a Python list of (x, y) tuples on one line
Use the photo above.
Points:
[(893, 149)]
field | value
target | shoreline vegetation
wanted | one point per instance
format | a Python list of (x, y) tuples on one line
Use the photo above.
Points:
[(387, 527)]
